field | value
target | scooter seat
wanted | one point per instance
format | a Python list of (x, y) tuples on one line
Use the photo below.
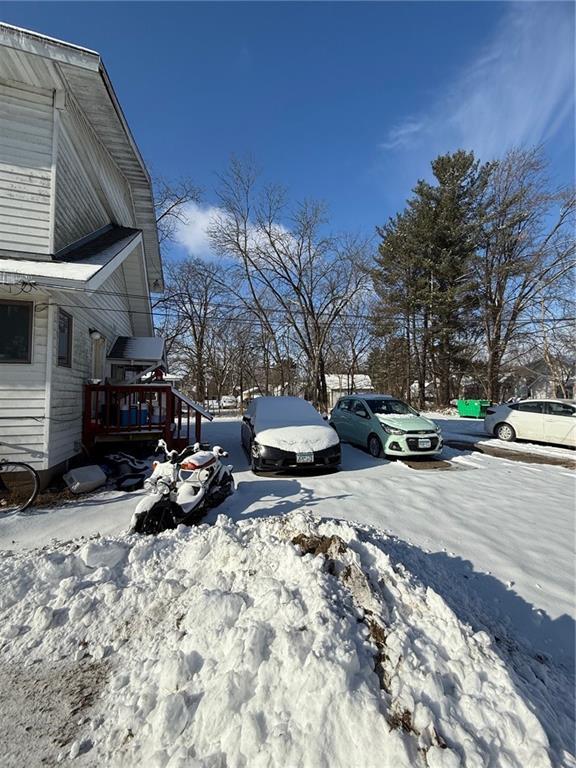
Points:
[(198, 460)]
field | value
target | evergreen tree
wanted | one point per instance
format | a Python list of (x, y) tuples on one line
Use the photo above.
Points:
[(424, 270)]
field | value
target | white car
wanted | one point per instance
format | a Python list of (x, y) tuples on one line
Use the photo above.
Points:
[(228, 401), (547, 421), (286, 433)]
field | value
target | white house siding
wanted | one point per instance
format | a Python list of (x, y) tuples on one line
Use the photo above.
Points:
[(105, 311), (135, 275), (26, 125), (23, 393), (90, 189)]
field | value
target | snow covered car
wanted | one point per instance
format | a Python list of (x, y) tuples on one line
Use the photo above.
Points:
[(547, 421), (385, 426), (286, 433), (228, 401)]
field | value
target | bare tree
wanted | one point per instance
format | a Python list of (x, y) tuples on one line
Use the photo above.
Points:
[(222, 354), (556, 331), (170, 201), (286, 258), (528, 246), (352, 337), (193, 291)]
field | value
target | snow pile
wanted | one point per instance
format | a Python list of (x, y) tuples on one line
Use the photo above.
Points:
[(277, 642), (291, 424)]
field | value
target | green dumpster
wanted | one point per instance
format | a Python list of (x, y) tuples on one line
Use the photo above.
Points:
[(475, 409)]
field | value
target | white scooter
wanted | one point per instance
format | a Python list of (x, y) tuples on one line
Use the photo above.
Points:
[(182, 488)]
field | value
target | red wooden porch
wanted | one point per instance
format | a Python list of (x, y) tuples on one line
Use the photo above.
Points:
[(122, 412)]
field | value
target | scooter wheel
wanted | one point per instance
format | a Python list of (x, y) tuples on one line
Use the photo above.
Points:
[(154, 521)]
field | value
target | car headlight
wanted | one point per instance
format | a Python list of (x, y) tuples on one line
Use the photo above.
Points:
[(257, 449), (393, 430)]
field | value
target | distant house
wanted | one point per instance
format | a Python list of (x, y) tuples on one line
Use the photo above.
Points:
[(79, 256), (340, 384), (539, 379), (252, 392)]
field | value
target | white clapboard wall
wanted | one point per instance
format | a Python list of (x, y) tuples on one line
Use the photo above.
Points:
[(26, 138)]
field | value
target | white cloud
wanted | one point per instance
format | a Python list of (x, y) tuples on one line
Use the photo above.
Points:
[(518, 91), (193, 233), (402, 135)]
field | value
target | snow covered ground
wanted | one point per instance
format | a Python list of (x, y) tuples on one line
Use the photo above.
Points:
[(483, 550)]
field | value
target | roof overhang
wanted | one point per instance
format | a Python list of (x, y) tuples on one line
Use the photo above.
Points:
[(137, 350), (83, 268), (54, 64)]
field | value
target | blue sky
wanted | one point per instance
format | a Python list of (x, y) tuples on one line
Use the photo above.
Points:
[(346, 102)]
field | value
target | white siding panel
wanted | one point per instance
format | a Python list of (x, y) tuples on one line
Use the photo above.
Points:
[(92, 94), (78, 208), (135, 276), (90, 190), (105, 312), (26, 125), (23, 387), (22, 395)]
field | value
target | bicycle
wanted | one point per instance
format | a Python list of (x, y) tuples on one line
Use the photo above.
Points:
[(19, 486)]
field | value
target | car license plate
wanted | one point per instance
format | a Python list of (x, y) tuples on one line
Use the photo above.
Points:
[(424, 442), (304, 458)]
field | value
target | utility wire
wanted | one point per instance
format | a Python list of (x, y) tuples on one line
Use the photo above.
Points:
[(236, 307), (252, 320)]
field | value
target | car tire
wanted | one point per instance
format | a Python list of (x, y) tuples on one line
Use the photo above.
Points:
[(253, 463), (374, 446), (505, 432)]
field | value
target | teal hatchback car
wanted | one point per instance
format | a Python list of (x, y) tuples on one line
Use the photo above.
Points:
[(385, 426)]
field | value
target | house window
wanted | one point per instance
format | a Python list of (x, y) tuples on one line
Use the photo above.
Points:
[(64, 339), (16, 331)]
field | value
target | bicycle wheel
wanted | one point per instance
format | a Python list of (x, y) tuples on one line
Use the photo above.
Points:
[(19, 486)]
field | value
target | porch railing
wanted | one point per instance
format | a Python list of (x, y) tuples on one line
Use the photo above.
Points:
[(125, 411)]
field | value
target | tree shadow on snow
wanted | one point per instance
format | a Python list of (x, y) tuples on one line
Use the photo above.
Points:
[(538, 651), (263, 497)]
